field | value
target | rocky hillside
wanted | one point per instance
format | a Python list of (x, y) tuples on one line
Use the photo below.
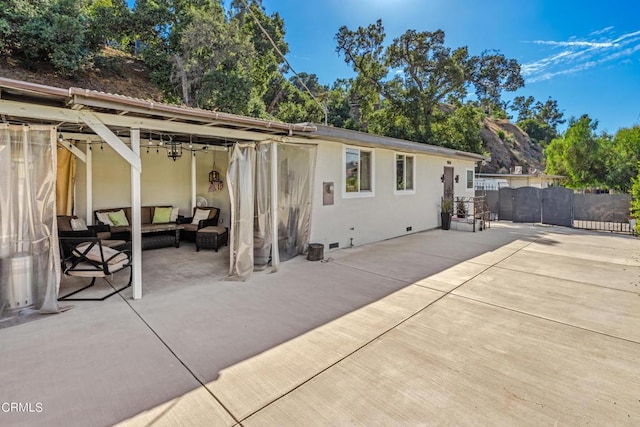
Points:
[(509, 146)]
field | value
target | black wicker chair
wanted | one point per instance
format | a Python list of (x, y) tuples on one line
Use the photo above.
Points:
[(190, 230), (87, 257)]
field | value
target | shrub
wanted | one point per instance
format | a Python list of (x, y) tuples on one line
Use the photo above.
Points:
[(635, 202)]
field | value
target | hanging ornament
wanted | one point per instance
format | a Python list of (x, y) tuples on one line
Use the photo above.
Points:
[(215, 182)]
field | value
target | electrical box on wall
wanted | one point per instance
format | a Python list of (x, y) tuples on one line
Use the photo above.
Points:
[(327, 193)]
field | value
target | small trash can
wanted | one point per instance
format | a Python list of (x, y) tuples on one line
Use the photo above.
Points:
[(316, 252)]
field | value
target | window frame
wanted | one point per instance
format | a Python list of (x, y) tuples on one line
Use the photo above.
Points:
[(473, 179), (360, 193), (395, 173)]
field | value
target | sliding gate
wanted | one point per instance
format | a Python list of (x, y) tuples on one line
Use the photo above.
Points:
[(560, 206)]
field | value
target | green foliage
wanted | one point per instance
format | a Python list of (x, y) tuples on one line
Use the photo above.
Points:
[(53, 31), (425, 73), (111, 23), (540, 133), (539, 120), (501, 134), (579, 155), (459, 130), (491, 73), (622, 157), (635, 201)]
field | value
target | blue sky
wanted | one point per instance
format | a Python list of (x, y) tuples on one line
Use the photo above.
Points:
[(585, 54)]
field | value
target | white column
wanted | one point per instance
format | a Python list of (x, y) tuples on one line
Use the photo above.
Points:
[(193, 182), (136, 225), (275, 254), (89, 180)]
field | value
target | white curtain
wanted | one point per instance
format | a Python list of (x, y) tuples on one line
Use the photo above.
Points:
[(29, 254), (296, 169), (270, 187), (240, 178)]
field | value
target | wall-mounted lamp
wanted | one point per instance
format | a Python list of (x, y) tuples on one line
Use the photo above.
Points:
[(457, 178), (442, 178), (60, 137)]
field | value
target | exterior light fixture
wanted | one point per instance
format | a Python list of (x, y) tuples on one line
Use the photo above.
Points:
[(457, 178), (442, 178)]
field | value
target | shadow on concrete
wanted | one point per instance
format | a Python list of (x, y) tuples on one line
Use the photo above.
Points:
[(191, 319)]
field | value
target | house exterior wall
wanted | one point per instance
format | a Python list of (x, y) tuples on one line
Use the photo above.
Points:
[(163, 181), (386, 214)]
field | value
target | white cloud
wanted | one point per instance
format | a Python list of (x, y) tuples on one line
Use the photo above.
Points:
[(602, 31), (579, 54), (574, 44)]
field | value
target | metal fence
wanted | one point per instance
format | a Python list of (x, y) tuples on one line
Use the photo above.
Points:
[(561, 206)]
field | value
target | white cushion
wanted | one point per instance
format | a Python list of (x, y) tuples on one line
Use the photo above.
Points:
[(78, 224), (103, 217), (94, 253), (200, 215), (84, 269), (174, 214)]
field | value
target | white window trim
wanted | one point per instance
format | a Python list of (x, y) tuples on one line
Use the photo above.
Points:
[(397, 192), (473, 181), (358, 194)]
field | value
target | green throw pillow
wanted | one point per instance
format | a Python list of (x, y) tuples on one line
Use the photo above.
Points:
[(161, 215), (118, 218)]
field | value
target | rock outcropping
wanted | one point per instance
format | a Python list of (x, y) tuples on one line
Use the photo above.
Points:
[(509, 147)]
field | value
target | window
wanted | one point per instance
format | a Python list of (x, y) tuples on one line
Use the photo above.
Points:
[(358, 172), (405, 170), (469, 178)]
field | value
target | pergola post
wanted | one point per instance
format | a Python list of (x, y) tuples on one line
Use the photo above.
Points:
[(89, 189), (136, 220), (193, 183)]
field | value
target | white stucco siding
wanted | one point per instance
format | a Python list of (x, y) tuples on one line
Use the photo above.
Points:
[(385, 215)]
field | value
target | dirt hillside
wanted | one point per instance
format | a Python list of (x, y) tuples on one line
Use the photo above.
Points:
[(114, 72)]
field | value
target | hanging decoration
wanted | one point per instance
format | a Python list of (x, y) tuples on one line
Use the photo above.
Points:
[(215, 182), (174, 149)]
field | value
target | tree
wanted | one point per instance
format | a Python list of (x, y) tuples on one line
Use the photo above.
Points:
[(56, 32), (524, 107), (539, 120), (622, 159), (401, 88), (635, 202), (213, 63), (460, 130), (491, 73), (111, 23), (579, 154)]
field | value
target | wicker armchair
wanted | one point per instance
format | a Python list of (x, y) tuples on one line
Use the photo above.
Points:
[(190, 229)]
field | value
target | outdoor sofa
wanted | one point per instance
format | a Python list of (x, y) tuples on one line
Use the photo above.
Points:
[(159, 225)]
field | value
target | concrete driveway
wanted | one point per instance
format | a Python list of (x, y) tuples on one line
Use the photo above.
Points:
[(515, 325)]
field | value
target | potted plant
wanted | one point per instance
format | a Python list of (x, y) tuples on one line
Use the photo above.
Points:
[(461, 208), (446, 209)]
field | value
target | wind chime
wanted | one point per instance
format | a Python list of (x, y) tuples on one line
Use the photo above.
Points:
[(215, 182)]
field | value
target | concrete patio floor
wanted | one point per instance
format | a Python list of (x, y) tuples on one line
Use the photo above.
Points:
[(515, 325)]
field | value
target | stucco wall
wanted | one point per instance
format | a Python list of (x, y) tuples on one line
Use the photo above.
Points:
[(163, 181), (365, 219), (385, 215)]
